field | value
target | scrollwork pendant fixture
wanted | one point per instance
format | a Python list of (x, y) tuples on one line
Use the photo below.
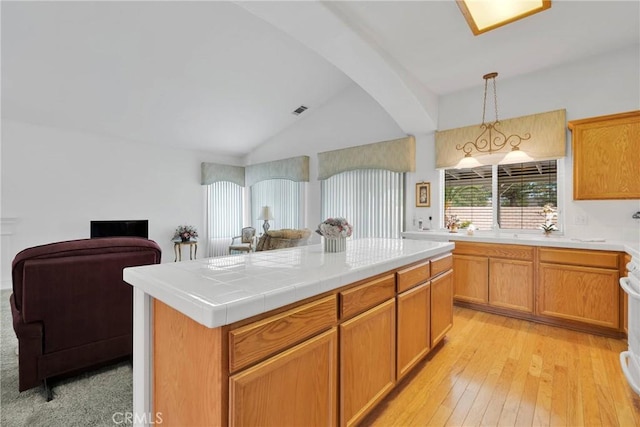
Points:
[(491, 138)]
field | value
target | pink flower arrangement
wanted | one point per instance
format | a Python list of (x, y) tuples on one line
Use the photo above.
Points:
[(334, 228)]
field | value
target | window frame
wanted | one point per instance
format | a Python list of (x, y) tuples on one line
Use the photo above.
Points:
[(495, 200)]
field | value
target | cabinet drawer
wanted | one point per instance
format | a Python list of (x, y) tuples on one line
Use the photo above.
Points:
[(600, 259), (258, 340), (412, 276), (367, 295), (442, 264), (524, 253)]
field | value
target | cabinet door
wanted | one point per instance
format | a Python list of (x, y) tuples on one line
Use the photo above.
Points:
[(414, 327), (470, 278), (441, 306), (584, 294), (511, 284), (367, 361), (606, 157), (295, 387)]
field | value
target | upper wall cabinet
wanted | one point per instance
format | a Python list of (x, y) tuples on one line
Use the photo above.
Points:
[(606, 157)]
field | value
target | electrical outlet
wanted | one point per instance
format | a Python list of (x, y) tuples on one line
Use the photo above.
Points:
[(580, 220)]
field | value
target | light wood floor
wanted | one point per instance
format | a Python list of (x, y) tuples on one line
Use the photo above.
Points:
[(493, 370)]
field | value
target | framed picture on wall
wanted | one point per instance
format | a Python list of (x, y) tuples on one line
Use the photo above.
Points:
[(423, 194)]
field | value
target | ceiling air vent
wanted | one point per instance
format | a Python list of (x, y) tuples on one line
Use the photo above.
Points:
[(299, 110)]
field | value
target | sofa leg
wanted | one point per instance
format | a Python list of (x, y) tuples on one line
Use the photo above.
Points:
[(48, 390)]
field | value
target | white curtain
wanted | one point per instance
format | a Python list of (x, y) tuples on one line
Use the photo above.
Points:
[(286, 199), (372, 200), (225, 207)]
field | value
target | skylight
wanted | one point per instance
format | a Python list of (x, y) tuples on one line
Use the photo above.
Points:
[(486, 15)]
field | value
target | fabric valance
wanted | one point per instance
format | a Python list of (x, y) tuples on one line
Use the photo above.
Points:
[(294, 169), (548, 139), (214, 172), (398, 155)]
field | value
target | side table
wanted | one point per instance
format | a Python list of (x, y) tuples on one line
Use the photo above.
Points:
[(193, 249)]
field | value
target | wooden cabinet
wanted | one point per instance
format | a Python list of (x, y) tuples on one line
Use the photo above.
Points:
[(511, 284), (296, 387), (606, 157), (411, 276), (441, 306), (367, 361), (255, 341), (414, 327), (583, 294), (471, 275), (580, 286), (495, 275), (369, 294)]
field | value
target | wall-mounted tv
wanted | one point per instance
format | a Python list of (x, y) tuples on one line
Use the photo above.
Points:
[(135, 228)]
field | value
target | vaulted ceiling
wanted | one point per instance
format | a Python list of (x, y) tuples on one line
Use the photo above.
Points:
[(226, 76)]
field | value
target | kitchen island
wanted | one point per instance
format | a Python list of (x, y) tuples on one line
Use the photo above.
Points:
[(294, 336)]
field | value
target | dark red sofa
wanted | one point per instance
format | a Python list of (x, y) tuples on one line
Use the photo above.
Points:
[(71, 309)]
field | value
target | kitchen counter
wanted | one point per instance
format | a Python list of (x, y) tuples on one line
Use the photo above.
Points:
[(219, 291), (631, 248)]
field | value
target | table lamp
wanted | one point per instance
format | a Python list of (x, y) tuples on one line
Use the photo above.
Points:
[(267, 216)]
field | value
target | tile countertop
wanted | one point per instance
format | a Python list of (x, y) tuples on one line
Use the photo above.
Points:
[(219, 291), (631, 248)]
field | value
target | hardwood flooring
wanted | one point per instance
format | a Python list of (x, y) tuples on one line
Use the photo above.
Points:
[(494, 370)]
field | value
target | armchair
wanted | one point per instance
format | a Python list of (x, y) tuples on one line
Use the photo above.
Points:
[(247, 240), (71, 309)]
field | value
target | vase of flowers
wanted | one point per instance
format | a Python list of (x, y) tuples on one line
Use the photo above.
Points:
[(185, 233), (335, 232)]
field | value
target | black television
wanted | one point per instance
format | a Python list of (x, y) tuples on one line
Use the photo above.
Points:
[(135, 228)]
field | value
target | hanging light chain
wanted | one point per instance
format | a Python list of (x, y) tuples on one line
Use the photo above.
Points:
[(495, 96), (491, 138)]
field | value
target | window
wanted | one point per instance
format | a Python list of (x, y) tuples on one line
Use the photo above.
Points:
[(372, 200), (511, 196), (523, 189), (468, 196), (225, 206), (286, 199)]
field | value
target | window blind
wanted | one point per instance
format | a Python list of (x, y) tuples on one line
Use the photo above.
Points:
[(372, 200), (523, 189), (467, 196), (521, 192), (285, 198), (225, 207)]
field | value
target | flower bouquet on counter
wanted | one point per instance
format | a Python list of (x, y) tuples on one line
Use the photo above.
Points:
[(185, 233), (335, 232), (335, 228)]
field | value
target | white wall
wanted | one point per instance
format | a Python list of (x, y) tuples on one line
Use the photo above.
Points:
[(602, 85), (54, 182), (350, 119)]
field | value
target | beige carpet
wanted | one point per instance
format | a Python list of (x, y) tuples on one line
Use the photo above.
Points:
[(97, 398)]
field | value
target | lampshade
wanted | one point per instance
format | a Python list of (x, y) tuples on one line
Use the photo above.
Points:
[(468, 162), (265, 214), (516, 156)]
